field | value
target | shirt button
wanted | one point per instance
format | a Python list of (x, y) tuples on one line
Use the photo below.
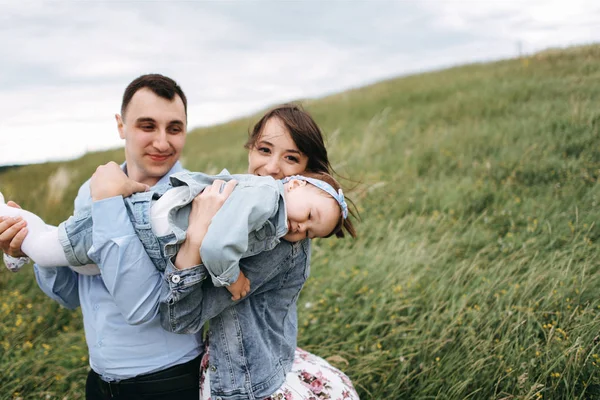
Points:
[(213, 368), (100, 343), (175, 278), (96, 307)]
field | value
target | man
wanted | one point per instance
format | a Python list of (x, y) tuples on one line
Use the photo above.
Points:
[(131, 355)]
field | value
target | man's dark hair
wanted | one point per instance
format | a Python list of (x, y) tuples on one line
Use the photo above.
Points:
[(160, 85)]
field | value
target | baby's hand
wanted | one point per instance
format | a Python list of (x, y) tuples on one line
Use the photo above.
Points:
[(239, 288)]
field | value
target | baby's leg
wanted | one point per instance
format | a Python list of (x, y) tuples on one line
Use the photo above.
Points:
[(41, 243)]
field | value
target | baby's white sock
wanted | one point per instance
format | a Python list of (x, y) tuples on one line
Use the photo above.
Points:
[(41, 243)]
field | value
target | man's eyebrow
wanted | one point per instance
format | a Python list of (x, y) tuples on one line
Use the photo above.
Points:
[(141, 120), (145, 119), (287, 151)]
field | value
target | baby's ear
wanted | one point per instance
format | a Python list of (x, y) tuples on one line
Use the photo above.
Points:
[(295, 183)]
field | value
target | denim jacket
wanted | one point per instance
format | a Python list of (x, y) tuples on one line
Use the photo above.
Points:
[(251, 221), (252, 341)]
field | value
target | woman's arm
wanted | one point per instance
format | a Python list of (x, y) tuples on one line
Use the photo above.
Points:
[(189, 299), (204, 208), (227, 239)]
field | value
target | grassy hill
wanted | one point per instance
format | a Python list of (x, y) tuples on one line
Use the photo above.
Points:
[(476, 271)]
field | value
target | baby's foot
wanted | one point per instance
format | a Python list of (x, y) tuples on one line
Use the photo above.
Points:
[(14, 264)]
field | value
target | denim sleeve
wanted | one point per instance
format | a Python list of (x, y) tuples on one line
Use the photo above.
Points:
[(246, 210), (189, 300), (61, 283), (127, 271)]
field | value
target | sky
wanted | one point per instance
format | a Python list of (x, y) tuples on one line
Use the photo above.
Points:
[(64, 64)]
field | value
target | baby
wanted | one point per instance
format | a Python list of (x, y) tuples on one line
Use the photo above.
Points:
[(259, 212)]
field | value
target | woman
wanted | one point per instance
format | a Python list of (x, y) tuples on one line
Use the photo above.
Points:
[(252, 353)]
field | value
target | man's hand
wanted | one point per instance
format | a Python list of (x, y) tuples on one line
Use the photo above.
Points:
[(239, 288), (12, 233), (109, 180)]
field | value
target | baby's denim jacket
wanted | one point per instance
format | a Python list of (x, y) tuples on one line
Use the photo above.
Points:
[(251, 221)]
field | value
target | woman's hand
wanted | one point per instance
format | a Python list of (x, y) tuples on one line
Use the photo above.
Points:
[(204, 207), (12, 233)]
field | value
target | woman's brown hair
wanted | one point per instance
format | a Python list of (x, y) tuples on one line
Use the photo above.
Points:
[(304, 132)]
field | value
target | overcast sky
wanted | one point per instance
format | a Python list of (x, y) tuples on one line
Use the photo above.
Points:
[(64, 64)]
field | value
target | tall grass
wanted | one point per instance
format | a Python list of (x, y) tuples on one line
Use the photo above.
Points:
[(475, 275)]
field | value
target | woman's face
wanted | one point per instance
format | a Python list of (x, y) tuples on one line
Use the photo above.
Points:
[(275, 153)]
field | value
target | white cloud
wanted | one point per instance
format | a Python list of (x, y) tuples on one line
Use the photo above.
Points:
[(68, 62), (536, 24)]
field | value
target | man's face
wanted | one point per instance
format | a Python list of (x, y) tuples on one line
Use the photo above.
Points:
[(154, 129)]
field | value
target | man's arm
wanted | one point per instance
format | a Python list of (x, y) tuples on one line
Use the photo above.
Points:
[(61, 284), (127, 271)]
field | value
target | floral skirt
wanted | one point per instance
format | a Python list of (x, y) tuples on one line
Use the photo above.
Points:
[(311, 378)]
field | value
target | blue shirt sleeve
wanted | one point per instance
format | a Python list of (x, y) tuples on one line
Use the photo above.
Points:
[(128, 273), (226, 241), (61, 283)]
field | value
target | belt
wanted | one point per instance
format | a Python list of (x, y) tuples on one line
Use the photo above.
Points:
[(179, 377)]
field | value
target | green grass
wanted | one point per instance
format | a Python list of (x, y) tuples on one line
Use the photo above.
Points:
[(475, 275)]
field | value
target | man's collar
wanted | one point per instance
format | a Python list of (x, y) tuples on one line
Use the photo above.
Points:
[(177, 167)]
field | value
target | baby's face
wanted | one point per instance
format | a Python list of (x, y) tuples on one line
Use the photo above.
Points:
[(311, 212)]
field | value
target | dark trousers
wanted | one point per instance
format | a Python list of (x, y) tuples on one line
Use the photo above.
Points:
[(180, 382)]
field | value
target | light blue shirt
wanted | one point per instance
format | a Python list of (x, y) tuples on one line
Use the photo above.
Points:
[(120, 307)]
